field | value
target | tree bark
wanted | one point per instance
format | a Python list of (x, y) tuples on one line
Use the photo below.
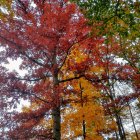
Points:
[(124, 136), (84, 129), (83, 123), (56, 115), (117, 116), (120, 127), (133, 120), (56, 123)]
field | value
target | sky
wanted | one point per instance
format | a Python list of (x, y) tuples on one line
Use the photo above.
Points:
[(14, 66)]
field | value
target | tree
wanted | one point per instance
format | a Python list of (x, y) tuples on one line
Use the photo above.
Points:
[(81, 108), (85, 116), (119, 21), (58, 48), (42, 36)]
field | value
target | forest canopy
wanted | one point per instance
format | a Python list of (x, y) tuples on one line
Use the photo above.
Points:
[(82, 63)]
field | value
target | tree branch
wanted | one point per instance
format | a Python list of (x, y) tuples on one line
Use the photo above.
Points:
[(70, 79), (21, 51)]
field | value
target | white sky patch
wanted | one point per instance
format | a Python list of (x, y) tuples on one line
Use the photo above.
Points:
[(14, 66), (33, 4), (121, 60), (22, 104)]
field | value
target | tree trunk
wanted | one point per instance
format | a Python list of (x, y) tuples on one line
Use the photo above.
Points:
[(56, 109), (56, 123), (120, 127), (84, 129), (116, 135), (124, 136), (117, 116), (83, 123), (133, 121)]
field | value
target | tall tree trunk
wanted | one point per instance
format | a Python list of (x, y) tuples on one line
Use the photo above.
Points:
[(124, 136), (119, 127), (83, 123), (116, 135), (56, 110), (84, 129), (117, 116), (56, 123), (133, 121)]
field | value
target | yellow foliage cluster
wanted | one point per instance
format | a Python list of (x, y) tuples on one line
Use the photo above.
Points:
[(5, 9), (87, 108)]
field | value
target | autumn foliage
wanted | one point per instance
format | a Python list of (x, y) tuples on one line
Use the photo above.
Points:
[(71, 74)]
